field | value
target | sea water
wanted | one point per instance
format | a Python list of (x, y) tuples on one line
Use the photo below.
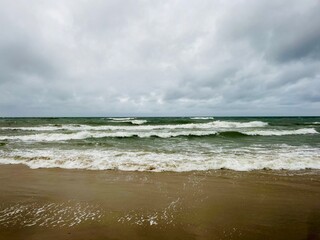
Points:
[(162, 144)]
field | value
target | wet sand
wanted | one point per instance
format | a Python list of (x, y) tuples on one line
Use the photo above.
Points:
[(77, 204)]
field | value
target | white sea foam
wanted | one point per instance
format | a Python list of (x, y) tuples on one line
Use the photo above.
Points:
[(242, 159), (165, 215), (128, 120), (274, 132), (138, 122), (65, 214), (50, 137)]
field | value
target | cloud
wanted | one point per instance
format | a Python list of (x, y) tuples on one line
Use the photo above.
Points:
[(103, 58)]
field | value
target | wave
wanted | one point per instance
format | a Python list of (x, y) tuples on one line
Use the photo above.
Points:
[(232, 134), (121, 119), (50, 137), (128, 120), (202, 118), (210, 125), (138, 122), (301, 131), (243, 159)]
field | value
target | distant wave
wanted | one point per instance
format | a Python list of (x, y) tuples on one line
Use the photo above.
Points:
[(243, 159), (50, 137), (201, 118), (128, 120), (209, 125), (121, 119), (138, 122)]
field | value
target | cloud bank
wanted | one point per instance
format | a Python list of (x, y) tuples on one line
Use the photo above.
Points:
[(159, 58)]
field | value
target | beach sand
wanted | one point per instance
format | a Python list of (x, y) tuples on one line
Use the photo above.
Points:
[(79, 204)]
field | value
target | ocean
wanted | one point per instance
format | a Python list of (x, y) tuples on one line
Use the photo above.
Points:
[(174, 144)]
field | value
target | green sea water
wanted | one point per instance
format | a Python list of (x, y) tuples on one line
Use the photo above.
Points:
[(162, 144)]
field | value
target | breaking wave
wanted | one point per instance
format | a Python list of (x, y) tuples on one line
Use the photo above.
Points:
[(49, 137), (243, 159), (209, 125), (301, 131), (128, 120)]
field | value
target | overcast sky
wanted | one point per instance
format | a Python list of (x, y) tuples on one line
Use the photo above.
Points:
[(159, 58)]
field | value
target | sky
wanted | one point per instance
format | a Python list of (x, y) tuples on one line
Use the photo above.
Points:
[(159, 58)]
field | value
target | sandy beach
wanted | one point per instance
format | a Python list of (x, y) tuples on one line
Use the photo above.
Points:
[(150, 120), (223, 204)]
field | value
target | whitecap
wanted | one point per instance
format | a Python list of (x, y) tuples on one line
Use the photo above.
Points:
[(121, 119), (138, 122), (51, 137), (274, 132), (242, 159)]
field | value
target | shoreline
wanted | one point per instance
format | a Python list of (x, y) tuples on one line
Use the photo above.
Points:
[(111, 204), (264, 170)]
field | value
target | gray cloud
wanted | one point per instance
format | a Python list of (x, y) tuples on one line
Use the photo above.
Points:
[(100, 58)]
